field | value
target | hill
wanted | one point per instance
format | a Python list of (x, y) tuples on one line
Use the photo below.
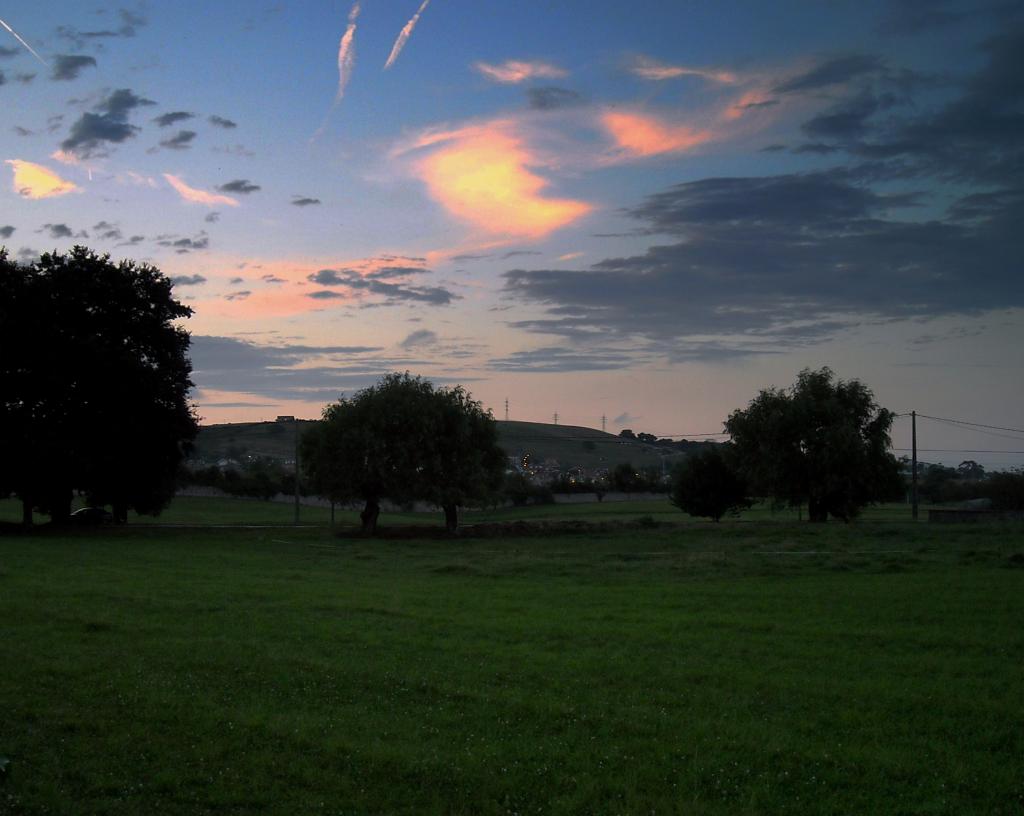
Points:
[(570, 445)]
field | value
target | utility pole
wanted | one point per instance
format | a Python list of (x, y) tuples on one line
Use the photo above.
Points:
[(913, 464), (604, 421), (556, 417), (296, 421), (506, 409)]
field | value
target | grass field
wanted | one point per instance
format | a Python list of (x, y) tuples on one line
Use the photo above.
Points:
[(709, 669)]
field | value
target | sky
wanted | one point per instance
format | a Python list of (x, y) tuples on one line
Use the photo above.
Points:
[(635, 214)]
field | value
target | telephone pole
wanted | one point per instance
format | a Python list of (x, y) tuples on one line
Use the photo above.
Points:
[(506, 409), (604, 421), (556, 417), (913, 464)]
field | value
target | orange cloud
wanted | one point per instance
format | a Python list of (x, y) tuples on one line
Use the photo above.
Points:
[(480, 175), (35, 181), (749, 101), (647, 68), (198, 196), (512, 71), (644, 135)]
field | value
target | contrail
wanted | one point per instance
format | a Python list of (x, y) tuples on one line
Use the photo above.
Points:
[(346, 53), (19, 39), (403, 35), (346, 61)]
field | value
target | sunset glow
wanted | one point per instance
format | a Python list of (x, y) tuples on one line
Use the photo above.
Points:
[(35, 181), (643, 135)]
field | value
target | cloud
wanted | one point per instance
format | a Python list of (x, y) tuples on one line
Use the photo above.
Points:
[(642, 135), (242, 186), (292, 372), (242, 295), (57, 230), (106, 231), (6, 232), (130, 23), (480, 175), (212, 217), (556, 359), (35, 181), (304, 201), (513, 71), (7, 53), (197, 196), (647, 68), (183, 245), (182, 140), (387, 282), (834, 71), (550, 97), (167, 119), (404, 34), (766, 264), (187, 280), (108, 124), (625, 418), (69, 66), (221, 122), (421, 337)]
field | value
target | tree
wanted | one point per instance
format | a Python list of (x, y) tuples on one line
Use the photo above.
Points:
[(708, 484), (970, 470), (403, 439), (96, 381), (823, 442)]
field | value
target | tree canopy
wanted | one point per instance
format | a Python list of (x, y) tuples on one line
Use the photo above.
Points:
[(96, 382), (823, 442), (707, 483), (403, 439)]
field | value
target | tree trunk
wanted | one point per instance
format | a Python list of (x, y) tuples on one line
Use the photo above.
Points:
[(120, 514), (60, 508), (26, 511), (817, 512), (451, 518), (369, 516)]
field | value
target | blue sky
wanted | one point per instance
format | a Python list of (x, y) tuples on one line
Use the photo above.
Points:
[(640, 211)]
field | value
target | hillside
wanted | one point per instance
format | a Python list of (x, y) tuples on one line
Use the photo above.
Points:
[(571, 445)]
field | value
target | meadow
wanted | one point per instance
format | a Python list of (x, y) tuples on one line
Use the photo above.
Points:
[(738, 668)]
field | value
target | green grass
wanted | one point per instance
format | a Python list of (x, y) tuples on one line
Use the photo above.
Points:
[(711, 669)]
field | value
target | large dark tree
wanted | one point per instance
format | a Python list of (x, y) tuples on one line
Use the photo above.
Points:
[(708, 483), (402, 439), (96, 381), (823, 442)]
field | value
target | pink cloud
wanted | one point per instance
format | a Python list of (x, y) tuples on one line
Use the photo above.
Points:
[(640, 135), (647, 68), (512, 71), (35, 181), (197, 196)]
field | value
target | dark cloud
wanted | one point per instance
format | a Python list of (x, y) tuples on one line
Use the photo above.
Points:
[(272, 279), (556, 359), (849, 119), (6, 232), (773, 148), (7, 53), (221, 122), (58, 230), (817, 148), (134, 240), (3, 79), (421, 337), (304, 201), (765, 264), (234, 150), (236, 281), (552, 98), (212, 217), (290, 371), (24, 79), (69, 66), (183, 245), (469, 257), (108, 124), (131, 21), (517, 253), (835, 71), (167, 119), (182, 140), (188, 280), (387, 282), (242, 295), (243, 186), (764, 103), (917, 16), (23, 131), (106, 231)]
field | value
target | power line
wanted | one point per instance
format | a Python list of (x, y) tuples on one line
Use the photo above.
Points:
[(957, 450), (975, 424)]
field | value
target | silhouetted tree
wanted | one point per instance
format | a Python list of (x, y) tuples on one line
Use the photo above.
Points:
[(403, 439), (708, 484), (95, 383), (823, 442)]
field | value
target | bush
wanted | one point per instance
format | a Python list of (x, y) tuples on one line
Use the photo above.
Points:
[(1006, 491), (706, 484)]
